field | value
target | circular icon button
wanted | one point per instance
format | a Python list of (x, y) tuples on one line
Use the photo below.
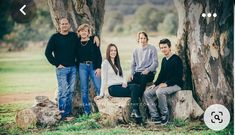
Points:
[(23, 11), (216, 117)]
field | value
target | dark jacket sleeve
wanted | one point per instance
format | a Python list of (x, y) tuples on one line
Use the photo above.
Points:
[(92, 38), (160, 75), (78, 46), (49, 50), (176, 78), (97, 57)]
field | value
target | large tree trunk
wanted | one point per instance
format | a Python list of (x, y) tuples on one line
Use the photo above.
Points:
[(78, 12), (206, 47)]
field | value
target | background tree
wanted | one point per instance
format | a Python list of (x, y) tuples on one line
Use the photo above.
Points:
[(78, 12), (206, 47), (17, 35), (7, 24), (113, 20), (169, 24), (147, 17)]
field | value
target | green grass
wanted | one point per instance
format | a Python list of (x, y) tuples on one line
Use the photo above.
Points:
[(90, 125), (25, 72), (7, 118)]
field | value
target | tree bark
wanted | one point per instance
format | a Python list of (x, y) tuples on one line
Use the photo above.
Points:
[(114, 111), (206, 48), (183, 106), (79, 12)]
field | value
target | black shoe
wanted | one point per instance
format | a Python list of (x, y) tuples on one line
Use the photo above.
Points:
[(135, 113), (165, 119), (155, 120)]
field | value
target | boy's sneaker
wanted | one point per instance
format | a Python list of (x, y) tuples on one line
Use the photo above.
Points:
[(135, 114), (165, 119), (155, 120)]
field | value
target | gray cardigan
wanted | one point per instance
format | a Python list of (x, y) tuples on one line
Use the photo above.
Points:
[(144, 58)]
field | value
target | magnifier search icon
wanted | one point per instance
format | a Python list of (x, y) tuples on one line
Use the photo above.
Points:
[(217, 117)]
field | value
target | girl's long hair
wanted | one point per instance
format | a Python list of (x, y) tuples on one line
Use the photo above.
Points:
[(116, 65)]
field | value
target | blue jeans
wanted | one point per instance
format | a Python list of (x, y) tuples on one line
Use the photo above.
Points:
[(66, 78), (86, 71)]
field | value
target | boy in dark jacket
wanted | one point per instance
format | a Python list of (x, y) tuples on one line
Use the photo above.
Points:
[(169, 81)]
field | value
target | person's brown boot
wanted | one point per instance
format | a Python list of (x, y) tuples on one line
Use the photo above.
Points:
[(68, 119)]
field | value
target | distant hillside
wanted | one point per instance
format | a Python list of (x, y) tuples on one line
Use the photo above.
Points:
[(129, 6)]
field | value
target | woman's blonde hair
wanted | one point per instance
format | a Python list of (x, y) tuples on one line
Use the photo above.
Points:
[(83, 26)]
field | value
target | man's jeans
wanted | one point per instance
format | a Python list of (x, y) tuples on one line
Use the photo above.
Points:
[(86, 71), (66, 78), (150, 95)]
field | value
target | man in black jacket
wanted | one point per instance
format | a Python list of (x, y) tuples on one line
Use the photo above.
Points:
[(169, 81), (61, 52)]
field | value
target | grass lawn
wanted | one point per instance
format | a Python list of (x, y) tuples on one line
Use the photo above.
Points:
[(90, 125), (29, 72), (26, 71)]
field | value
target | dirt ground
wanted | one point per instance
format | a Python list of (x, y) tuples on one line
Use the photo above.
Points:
[(24, 97)]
